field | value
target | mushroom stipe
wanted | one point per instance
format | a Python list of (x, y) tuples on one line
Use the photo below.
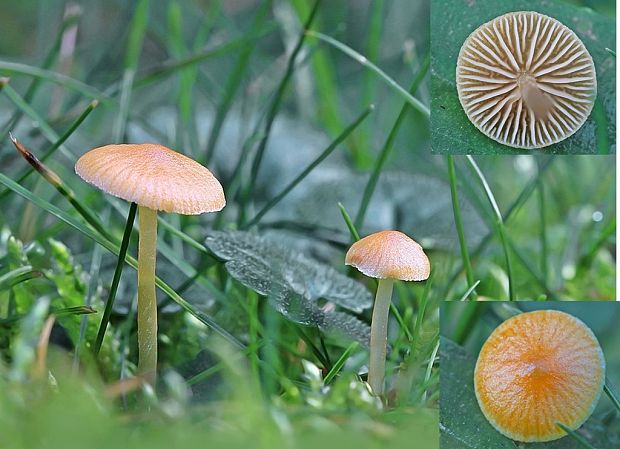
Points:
[(387, 256)]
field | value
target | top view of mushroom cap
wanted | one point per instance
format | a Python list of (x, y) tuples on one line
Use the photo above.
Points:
[(389, 255), (537, 369), (526, 80), (153, 176)]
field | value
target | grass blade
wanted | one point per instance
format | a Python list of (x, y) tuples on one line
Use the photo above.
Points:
[(17, 276), (543, 231), (407, 96), (277, 100), (369, 88), (325, 98), (349, 222), (458, 222), (605, 233), (421, 312), (499, 223), (46, 129), (107, 312), (337, 366), (329, 150), (611, 393), (387, 147), (467, 320), (21, 178), (575, 436), (55, 180), (172, 66), (469, 290), (524, 262), (75, 310), (137, 30), (91, 292), (233, 82), (431, 362), (54, 77), (602, 139)]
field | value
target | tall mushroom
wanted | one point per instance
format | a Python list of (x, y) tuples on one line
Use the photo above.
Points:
[(156, 178), (387, 256), (536, 370), (526, 80)]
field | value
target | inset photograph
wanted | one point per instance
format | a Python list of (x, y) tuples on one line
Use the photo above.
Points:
[(522, 76), (529, 374), (524, 227)]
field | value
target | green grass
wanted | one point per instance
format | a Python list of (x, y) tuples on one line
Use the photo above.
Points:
[(263, 371)]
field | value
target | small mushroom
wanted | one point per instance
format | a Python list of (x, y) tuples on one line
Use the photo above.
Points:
[(387, 256), (526, 80), (536, 370), (155, 178)]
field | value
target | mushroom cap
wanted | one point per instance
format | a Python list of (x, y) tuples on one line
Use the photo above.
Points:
[(526, 80), (537, 369), (389, 255), (153, 176)]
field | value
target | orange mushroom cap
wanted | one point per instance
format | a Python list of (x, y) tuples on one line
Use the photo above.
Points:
[(537, 369), (153, 176), (389, 254)]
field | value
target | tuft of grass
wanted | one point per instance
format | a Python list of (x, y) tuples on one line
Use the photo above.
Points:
[(387, 148), (458, 221), (234, 81), (320, 158), (501, 230), (114, 249), (407, 96), (277, 100)]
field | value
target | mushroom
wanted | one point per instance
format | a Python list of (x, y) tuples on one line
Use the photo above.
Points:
[(536, 370), (387, 256), (155, 178), (526, 80)]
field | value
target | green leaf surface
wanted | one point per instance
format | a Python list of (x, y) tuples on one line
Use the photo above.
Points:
[(462, 424), (453, 20), (293, 282)]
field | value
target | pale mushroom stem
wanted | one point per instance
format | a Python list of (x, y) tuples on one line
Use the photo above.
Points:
[(147, 303), (378, 335)]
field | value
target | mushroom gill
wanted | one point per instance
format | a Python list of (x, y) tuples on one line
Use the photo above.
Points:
[(525, 80)]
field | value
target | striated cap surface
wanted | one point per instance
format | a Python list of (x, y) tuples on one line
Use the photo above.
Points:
[(537, 369), (389, 254), (526, 80), (153, 176)]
